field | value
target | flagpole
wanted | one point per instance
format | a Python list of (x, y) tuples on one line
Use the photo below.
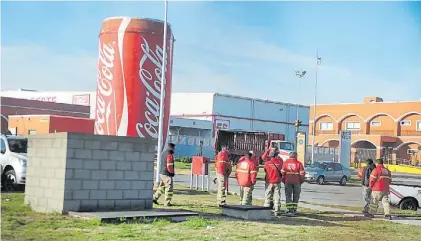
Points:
[(162, 98), (318, 61)]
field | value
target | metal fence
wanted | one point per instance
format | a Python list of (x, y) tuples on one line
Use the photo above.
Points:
[(322, 153)]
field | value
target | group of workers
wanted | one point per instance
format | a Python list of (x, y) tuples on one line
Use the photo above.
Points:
[(291, 173), (375, 180)]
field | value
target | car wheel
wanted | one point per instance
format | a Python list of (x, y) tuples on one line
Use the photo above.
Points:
[(321, 180), (343, 181), (9, 180), (409, 204)]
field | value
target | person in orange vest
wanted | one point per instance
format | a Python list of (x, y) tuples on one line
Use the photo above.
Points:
[(380, 180), (253, 158), (273, 166), (292, 176), (246, 175), (166, 183), (223, 169)]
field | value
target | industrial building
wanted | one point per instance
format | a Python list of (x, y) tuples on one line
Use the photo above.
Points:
[(195, 117), (210, 110), (240, 113)]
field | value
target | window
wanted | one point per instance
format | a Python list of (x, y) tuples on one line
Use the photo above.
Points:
[(376, 123), (286, 146), (419, 125), (18, 145), (330, 167), (352, 126), (3, 147), (326, 126), (406, 123), (337, 167), (412, 151)]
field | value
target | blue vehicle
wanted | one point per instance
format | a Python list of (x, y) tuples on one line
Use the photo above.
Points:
[(323, 172)]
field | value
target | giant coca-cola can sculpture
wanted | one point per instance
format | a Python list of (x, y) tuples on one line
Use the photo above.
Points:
[(128, 78)]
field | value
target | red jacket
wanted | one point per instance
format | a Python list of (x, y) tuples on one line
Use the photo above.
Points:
[(266, 157), (254, 159), (292, 172), (246, 173), (273, 166), (380, 179), (223, 164)]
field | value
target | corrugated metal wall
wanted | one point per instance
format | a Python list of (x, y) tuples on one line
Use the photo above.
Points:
[(259, 115)]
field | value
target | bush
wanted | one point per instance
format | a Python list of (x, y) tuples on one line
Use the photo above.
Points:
[(186, 159)]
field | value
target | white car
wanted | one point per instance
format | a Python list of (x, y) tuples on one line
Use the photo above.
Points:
[(13, 159), (405, 196)]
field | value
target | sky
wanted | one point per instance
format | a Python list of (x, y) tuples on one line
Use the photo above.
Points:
[(241, 48)]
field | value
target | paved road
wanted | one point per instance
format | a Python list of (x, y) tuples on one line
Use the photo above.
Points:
[(332, 194)]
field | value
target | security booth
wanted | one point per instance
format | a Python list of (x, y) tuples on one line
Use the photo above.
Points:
[(200, 168)]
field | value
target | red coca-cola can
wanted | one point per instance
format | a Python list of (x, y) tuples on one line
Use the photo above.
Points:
[(129, 77)]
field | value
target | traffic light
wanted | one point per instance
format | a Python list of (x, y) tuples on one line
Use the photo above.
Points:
[(297, 123)]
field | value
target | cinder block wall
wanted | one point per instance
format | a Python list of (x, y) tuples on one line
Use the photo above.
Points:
[(83, 172)]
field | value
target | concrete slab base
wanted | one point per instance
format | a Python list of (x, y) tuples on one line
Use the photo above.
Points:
[(141, 216), (247, 212)]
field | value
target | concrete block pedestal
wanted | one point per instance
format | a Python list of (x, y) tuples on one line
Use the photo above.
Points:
[(247, 212), (83, 173)]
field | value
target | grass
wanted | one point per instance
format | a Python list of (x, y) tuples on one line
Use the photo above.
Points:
[(20, 223)]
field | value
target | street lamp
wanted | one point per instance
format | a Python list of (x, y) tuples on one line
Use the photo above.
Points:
[(318, 62), (299, 74)]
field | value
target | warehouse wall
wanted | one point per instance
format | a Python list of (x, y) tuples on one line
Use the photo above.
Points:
[(259, 115)]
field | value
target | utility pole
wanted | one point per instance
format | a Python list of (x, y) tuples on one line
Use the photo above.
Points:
[(318, 62), (161, 106), (299, 74)]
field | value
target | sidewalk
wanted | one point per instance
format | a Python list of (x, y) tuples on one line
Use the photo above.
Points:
[(349, 213)]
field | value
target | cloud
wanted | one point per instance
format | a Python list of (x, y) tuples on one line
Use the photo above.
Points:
[(38, 67), (214, 55)]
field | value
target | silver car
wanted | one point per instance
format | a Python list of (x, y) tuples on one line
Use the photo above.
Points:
[(322, 172)]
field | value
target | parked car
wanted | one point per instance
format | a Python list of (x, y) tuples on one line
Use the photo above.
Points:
[(405, 196), (13, 159), (322, 172)]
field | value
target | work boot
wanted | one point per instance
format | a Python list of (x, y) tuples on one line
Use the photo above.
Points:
[(214, 180), (289, 212), (155, 201), (388, 217), (169, 204), (369, 215), (222, 205)]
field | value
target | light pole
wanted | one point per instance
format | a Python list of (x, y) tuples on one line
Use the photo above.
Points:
[(299, 74), (161, 105), (318, 62)]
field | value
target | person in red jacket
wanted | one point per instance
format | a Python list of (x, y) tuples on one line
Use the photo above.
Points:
[(254, 159), (166, 183), (293, 176), (223, 169), (380, 180), (246, 174), (273, 166)]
